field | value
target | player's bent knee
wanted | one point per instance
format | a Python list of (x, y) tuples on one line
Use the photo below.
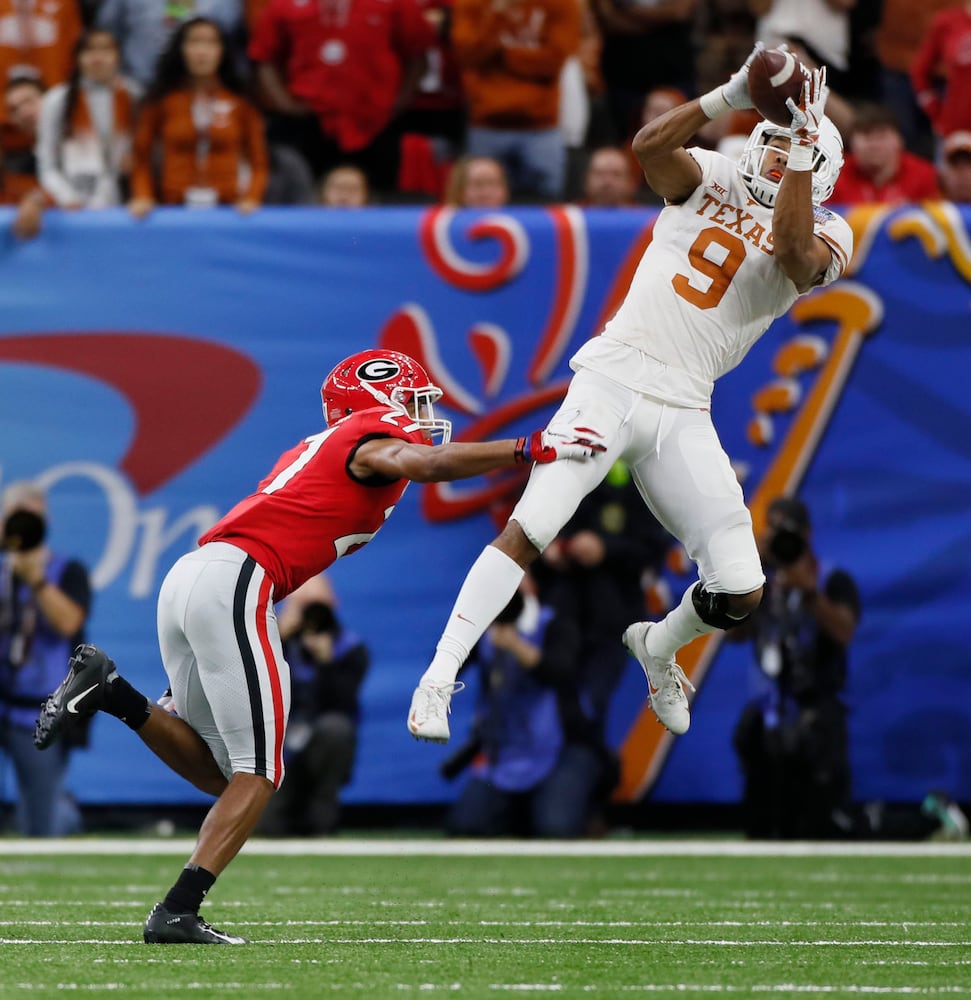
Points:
[(514, 543), (724, 611)]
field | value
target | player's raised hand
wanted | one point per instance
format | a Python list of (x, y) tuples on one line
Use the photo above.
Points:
[(561, 443), (808, 113), (735, 91)]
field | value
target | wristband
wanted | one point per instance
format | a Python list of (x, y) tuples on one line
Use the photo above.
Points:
[(520, 453), (38, 587), (713, 103), (800, 156)]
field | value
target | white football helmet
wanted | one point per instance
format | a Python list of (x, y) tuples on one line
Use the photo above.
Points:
[(827, 161)]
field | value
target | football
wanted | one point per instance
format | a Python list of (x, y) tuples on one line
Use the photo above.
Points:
[(774, 76)]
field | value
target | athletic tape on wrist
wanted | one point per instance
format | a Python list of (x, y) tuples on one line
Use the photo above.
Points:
[(713, 103), (800, 156)]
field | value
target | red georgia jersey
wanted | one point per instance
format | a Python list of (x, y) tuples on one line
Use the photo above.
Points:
[(310, 510)]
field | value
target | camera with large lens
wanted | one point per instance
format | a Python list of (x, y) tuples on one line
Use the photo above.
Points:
[(23, 531), (787, 545)]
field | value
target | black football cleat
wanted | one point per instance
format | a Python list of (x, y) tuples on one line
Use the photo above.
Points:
[(165, 927), (77, 698)]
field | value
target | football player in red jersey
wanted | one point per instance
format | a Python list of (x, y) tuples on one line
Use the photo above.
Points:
[(218, 634)]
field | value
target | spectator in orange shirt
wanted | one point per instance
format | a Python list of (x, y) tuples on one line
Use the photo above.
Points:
[(38, 39), (511, 53), (477, 182), (204, 129), (18, 166), (878, 168)]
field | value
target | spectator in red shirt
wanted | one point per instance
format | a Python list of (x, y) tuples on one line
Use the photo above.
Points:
[(335, 74), (941, 71), (901, 29), (878, 168), (955, 171)]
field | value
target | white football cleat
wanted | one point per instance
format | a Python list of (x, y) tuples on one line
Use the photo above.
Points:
[(430, 706), (665, 680)]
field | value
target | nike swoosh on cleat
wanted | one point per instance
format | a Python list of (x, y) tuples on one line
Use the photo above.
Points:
[(72, 705)]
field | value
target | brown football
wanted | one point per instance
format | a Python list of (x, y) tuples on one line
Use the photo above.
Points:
[(774, 76)]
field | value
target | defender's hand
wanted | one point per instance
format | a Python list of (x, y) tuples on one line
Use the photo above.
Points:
[(549, 445)]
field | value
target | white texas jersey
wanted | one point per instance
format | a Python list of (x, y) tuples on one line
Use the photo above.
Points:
[(707, 287)]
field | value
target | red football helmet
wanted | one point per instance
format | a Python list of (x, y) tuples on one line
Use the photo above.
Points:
[(383, 378)]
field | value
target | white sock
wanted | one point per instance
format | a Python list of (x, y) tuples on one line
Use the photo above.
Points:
[(677, 629), (488, 588)]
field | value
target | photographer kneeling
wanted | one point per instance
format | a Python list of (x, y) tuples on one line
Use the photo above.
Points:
[(792, 739), (44, 602)]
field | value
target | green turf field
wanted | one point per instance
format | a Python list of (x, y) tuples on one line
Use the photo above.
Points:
[(486, 925)]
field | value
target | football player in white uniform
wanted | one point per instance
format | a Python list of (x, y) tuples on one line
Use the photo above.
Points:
[(734, 246)]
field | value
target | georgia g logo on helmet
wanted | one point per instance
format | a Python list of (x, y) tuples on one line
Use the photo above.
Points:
[(378, 370)]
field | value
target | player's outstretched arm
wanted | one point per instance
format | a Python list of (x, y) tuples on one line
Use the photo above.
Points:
[(659, 145), (396, 459), (802, 254)]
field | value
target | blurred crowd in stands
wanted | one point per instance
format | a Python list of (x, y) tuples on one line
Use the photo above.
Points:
[(468, 102)]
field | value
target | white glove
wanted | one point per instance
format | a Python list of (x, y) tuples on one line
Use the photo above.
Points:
[(808, 113), (733, 95), (735, 91)]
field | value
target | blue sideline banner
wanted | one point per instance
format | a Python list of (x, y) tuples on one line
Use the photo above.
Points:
[(152, 372)]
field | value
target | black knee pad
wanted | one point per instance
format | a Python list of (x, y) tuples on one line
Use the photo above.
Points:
[(711, 608)]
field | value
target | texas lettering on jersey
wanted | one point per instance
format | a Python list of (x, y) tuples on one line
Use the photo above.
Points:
[(736, 220), (309, 510), (709, 285)]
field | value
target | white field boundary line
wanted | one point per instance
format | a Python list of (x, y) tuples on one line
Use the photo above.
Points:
[(547, 941), (353, 847)]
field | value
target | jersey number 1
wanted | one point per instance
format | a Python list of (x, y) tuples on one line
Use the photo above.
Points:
[(720, 274)]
